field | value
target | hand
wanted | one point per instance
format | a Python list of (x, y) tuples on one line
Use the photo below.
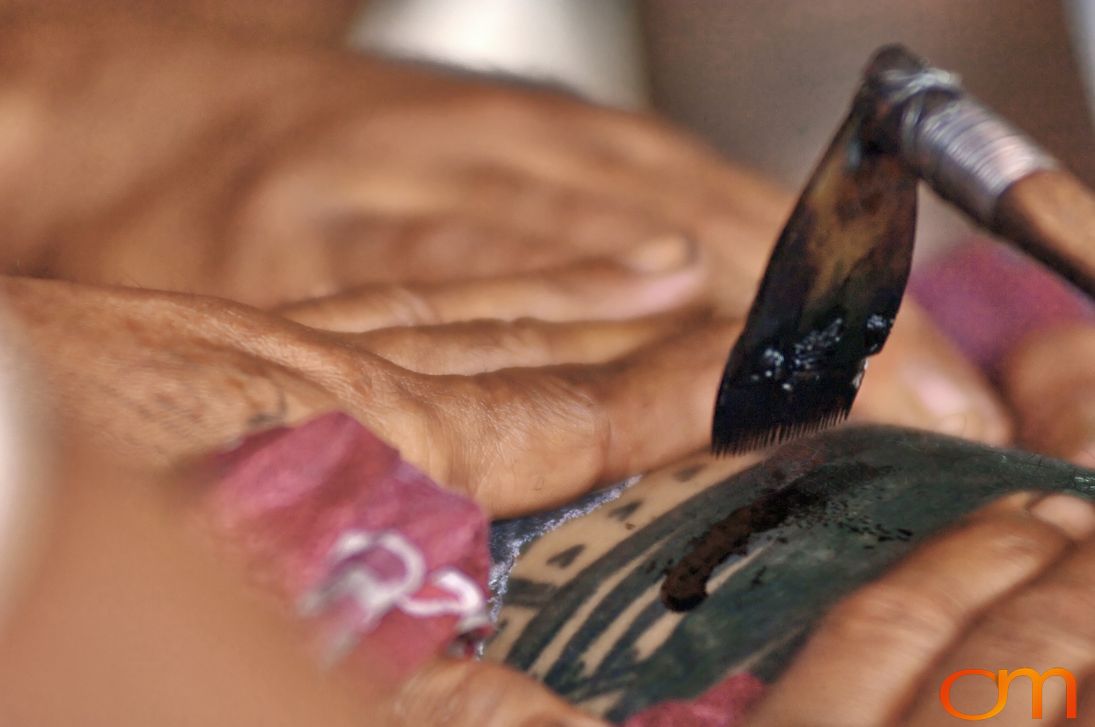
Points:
[(301, 174), (1012, 587), (160, 378)]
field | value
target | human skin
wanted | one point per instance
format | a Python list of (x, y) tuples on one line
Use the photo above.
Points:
[(159, 380), (316, 22), (585, 608), (307, 173), (1012, 585), (320, 198), (1057, 411), (131, 617), (100, 612), (352, 195)]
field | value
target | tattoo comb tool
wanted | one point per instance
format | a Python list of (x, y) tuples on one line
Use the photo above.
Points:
[(838, 272)]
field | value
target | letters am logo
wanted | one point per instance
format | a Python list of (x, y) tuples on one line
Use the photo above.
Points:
[(1003, 680)]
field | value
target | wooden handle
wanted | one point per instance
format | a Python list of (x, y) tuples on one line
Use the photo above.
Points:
[(1051, 216)]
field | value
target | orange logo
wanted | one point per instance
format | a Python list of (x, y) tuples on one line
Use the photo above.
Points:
[(1003, 680)]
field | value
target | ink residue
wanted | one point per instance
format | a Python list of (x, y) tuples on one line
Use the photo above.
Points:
[(876, 331), (805, 500), (685, 584)]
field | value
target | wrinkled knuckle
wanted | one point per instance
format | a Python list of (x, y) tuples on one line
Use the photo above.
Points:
[(883, 613), (595, 401), (563, 403), (525, 418), (1016, 538), (584, 404)]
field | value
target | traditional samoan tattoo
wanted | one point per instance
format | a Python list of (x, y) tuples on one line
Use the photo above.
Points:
[(746, 559)]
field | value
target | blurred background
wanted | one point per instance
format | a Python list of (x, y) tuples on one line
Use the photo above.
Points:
[(768, 81)]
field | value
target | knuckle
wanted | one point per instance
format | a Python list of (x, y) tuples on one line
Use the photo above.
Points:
[(539, 418), (577, 405), (887, 613), (1017, 538), (555, 400)]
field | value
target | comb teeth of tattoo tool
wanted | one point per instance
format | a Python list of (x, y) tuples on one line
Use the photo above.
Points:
[(838, 271)]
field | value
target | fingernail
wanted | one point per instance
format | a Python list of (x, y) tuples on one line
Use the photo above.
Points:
[(661, 255), (1073, 515)]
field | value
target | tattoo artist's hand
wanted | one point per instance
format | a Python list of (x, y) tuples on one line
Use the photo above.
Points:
[(519, 415), (276, 175), (1011, 587)]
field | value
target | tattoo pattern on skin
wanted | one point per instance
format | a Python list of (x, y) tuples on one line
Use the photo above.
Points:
[(758, 553)]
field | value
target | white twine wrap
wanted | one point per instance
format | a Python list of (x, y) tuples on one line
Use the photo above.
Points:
[(373, 596), (968, 154)]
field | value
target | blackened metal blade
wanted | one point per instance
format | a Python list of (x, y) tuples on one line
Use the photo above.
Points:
[(828, 298)]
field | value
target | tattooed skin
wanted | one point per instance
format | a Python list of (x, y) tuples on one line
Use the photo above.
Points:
[(716, 566)]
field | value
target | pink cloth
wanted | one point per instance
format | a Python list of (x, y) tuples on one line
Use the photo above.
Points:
[(392, 568), (987, 297), (361, 541), (723, 705)]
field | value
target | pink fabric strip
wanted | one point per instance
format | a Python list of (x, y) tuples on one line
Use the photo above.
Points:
[(384, 561), (389, 566), (723, 705), (988, 298)]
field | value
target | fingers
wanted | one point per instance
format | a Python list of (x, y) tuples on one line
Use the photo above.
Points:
[(477, 346), (1046, 625), (366, 249), (520, 440), (531, 176), (481, 694), (1050, 382), (920, 380), (655, 276), (873, 650)]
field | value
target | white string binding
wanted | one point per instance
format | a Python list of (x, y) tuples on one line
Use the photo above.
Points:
[(968, 154), (373, 596)]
